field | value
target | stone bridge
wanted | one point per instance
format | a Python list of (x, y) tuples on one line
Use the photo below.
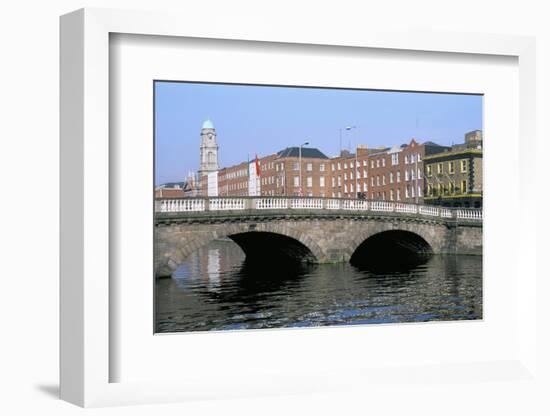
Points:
[(316, 230)]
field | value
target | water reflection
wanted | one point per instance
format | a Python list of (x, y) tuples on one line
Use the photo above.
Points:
[(215, 289)]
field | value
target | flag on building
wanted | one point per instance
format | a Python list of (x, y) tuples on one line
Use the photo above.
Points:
[(258, 170)]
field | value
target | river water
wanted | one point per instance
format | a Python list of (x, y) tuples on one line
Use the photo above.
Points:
[(215, 289)]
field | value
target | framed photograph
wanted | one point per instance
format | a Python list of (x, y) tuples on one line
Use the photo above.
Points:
[(276, 212), (380, 231)]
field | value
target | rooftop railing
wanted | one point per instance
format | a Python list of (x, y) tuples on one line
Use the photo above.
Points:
[(167, 205)]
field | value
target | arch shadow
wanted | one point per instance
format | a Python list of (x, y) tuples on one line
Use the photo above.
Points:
[(264, 248), (392, 250)]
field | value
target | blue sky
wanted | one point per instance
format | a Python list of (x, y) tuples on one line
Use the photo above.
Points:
[(264, 120)]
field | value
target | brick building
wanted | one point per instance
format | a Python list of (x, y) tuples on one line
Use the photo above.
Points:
[(390, 174), (170, 190), (413, 172), (279, 175)]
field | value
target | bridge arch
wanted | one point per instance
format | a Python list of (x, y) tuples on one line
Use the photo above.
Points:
[(261, 242), (393, 247)]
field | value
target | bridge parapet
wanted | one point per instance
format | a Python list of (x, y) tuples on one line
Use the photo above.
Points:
[(215, 204)]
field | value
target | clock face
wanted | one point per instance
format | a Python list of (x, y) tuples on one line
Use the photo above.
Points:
[(210, 136)]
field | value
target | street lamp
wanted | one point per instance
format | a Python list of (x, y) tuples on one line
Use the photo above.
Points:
[(348, 128), (300, 164)]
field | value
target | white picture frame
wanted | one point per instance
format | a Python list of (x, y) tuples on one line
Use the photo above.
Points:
[(86, 355)]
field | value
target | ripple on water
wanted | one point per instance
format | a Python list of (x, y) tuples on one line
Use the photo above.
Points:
[(215, 290)]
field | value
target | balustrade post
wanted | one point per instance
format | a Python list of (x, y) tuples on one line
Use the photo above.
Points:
[(206, 204)]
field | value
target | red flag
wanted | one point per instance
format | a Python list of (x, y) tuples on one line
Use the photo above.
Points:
[(258, 170)]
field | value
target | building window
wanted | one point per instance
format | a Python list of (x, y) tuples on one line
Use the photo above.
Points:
[(372, 164), (412, 191), (345, 176), (398, 176), (309, 167), (441, 189), (398, 195), (384, 164), (450, 188), (384, 195), (345, 188), (439, 168), (345, 165), (310, 181), (429, 190), (296, 181), (372, 181), (322, 194), (322, 181), (418, 157), (377, 180), (365, 189), (377, 163), (333, 167), (339, 166), (339, 181), (451, 167), (383, 179), (391, 194), (364, 163), (394, 160), (351, 165), (406, 159), (413, 177), (464, 187), (351, 175), (406, 175), (322, 167), (391, 177), (295, 166), (463, 166), (407, 191), (364, 174), (419, 191), (351, 188), (419, 173), (429, 170), (333, 182)]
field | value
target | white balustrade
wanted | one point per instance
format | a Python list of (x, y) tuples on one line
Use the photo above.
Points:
[(271, 203), (355, 205), (264, 203), (306, 203), (332, 203), (382, 206), (446, 213), (406, 208), (181, 205), (469, 214), (427, 210), (226, 204)]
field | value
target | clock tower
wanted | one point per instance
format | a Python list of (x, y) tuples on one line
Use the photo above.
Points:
[(209, 150)]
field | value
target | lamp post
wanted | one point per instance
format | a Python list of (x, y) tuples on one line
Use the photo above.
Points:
[(348, 128), (300, 165), (416, 175)]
